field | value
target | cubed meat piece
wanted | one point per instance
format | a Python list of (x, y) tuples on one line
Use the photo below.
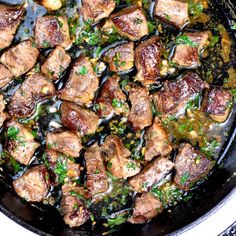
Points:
[(121, 57), (51, 5), (152, 173), (97, 10), (73, 205), (33, 185), (117, 157), (34, 89), (51, 31), (111, 99), (172, 11), (96, 181), (82, 83), (3, 115), (65, 142), (10, 18), (146, 207), (56, 63), (78, 119), (189, 46), (191, 166), (5, 76), (130, 22), (20, 142), (157, 141), (20, 58), (175, 95), (140, 115), (218, 104), (148, 60)]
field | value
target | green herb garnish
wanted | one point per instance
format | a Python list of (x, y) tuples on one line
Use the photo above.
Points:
[(184, 39)]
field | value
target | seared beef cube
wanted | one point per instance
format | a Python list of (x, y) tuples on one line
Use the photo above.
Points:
[(188, 49), (33, 185), (97, 10), (20, 142), (172, 11), (56, 63), (121, 57), (152, 173), (148, 60), (65, 142), (52, 5), (218, 104), (146, 207), (140, 115), (111, 99), (117, 157), (79, 119), (3, 115), (20, 58), (130, 22), (34, 89), (51, 31), (157, 141), (191, 166), (96, 181), (10, 18), (5, 76), (82, 83), (174, 96)]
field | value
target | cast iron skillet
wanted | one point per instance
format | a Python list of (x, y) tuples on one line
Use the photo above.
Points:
[(220, 185)]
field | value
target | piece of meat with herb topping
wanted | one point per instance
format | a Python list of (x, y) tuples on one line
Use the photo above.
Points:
[(20, 142), (56, 63), (3, 115), (33, 185), (97, 181), (130, 22), (117, 157), (148, 60), (34, 89), (173, 12), (175, 95), (82, 83), (5, 76), (111, 99), (146, 207), (97, 10), (20, 58), (79, 119), (191, 166), (120, 58), (140, 115), (152, 173)]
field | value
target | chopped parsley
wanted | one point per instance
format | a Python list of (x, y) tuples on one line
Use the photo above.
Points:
[(131, 165), (195, 9), (184, 178), (184, 39), (116, 103), (12, 132), (151, 27), (61, 170), (83, 70), (112, 222)]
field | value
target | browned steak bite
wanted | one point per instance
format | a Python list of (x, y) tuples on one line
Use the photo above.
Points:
[(188, 49), (34, 89), (140, 115), (218, 104), (130, 22), (111, 99), (10, 18), (191, 166), (33, 185), (97, 181), (148, 60), (152, 173), (79, 119), (51, 31), (157, 141), (5, 76), (72, 206), (97, 10), (3, 115), (82, 83), (117, 156), (20, 58), (172, 11), (174, 96), (121, 57), (56, 63), (146, 207), (20, 142)]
